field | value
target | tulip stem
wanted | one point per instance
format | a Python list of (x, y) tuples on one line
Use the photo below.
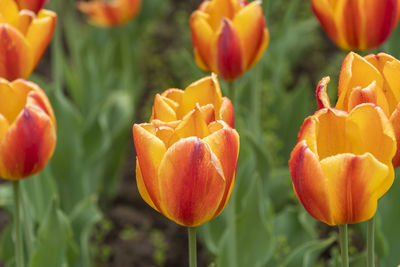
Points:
[(344, 245), (19, 257), (192, 247), (231, 92), (370, 243)]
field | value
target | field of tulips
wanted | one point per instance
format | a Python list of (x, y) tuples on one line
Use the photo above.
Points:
[(229, 133)]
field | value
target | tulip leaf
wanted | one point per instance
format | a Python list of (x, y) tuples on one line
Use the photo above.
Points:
[(53, 237)]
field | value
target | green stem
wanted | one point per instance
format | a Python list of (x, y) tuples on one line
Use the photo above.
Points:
[(231, 92), (344, 245), (232, 232), (19, 257), (370, 243), (192, 247)]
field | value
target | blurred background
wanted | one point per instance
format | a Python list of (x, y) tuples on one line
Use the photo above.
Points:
[(85, 209)]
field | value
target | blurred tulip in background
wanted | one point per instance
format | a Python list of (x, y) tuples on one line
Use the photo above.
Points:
[(357, 24), (229, 36), (110, 13), (24, 38), (187, 155), (342, 163), (27, 129)]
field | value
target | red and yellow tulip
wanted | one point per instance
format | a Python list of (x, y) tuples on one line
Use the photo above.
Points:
[(33, 5), (229, 36), (371, 79), (342, 163), (187, 155), (24, 38), (357, 24), (27, 129), (110, 13)]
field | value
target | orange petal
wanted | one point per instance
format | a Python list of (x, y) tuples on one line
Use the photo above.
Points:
[(142, 187), (12, 101), (309, 183), (202, 92), (395, 121), (4, 125), (355, 183), (162, 110), (225, 145), (34, 5), (150, 151), (381, 19), (261, 49), (202, 34), (174, 94), (325, 14), (321, 95), (191, 182), (27, 145), (40, 33), (355, 72), (369, 130), (369, 94), (229, 52), (9, 10), (249, 23), (220, 9), (349, 19), (15, 56), (227, 113)]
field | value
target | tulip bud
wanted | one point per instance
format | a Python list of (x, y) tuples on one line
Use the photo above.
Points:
[(187, 155), (228, 36), (356, 24), (24, 38), (342, 163), (27, 129), (104, 13)]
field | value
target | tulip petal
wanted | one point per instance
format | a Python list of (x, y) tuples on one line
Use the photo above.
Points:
[(202, 33), (219, 9), (229, 52), (261, 49), (354, 184), (4, 125), (321, 95), (325, 14), (395, 121), (225, 145), (35, 6), (356, 72), (310, 183), (227, 113), (174, 94), (381, 19), (27, 145), (369, 130), (15, 56), (202, 92), (142, 187), (191, 182), (249, 23), (150, 151), (369, 94), (40, 33), (11, 101), (162, 110), (9, 10)]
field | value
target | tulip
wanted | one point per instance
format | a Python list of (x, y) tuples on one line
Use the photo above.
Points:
[(27, 129), (342, 165), (357, 24), (24, 38), (33, 5), (371, 79), (187, 155), (104, 13), (229, 36)]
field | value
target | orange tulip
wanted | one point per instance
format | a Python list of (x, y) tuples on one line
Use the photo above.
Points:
[(342, 163), (356, 24), (27, 129), (187, 155), (33, 5), (371, 79), (24, 38), (110, 13), (229, 36)]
